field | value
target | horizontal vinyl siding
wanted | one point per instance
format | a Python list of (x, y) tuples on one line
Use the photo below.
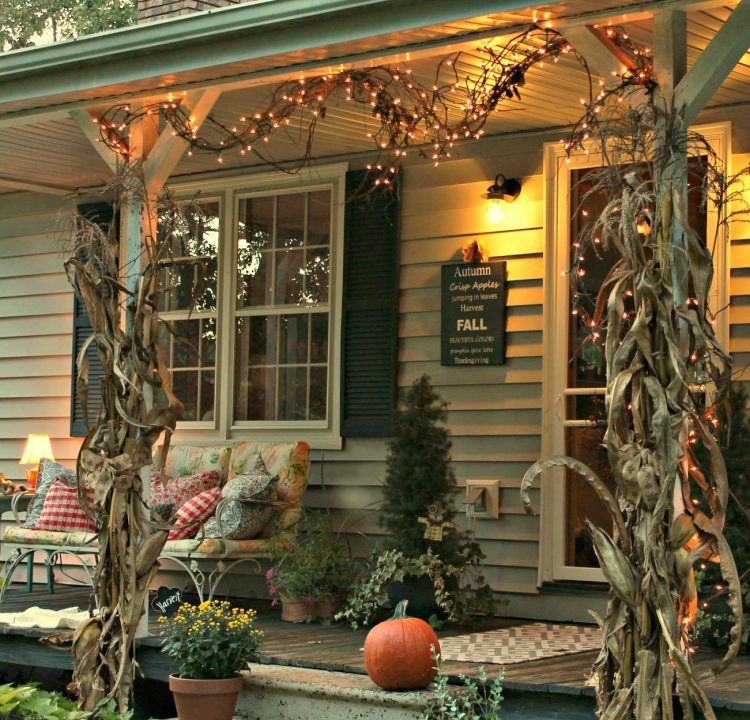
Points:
[(35, 330), (494, 412)]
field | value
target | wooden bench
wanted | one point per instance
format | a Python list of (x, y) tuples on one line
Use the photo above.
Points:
[(205, 560)]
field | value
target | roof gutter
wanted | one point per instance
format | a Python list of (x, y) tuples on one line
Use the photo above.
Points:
[(219, 37)]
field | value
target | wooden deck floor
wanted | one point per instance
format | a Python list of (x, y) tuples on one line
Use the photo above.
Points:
[(339, 648)]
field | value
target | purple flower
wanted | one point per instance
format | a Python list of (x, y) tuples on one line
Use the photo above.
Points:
[(274, 602), (269, 574), (310, 600), (273, 590)]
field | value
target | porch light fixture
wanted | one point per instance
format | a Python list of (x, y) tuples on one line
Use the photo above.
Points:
[(502, 190), (37, 447)]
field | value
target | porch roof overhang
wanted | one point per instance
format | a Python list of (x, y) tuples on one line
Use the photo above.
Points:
[(242, 50)]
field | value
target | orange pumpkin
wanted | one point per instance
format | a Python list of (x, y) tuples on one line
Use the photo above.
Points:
[(399, 652)]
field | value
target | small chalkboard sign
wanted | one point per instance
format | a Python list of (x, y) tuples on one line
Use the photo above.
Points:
[(473, 314), (167, 601)]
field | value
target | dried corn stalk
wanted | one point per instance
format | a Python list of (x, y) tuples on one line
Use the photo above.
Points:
[(662, 357), (119, 445)]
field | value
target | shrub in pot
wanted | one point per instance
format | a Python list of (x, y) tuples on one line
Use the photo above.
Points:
[(311, 570), (422, 555), (210, 643)]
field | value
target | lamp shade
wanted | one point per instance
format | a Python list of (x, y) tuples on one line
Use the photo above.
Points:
[(37, 447)]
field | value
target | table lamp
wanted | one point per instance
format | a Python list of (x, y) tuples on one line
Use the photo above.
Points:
[(37, 447)]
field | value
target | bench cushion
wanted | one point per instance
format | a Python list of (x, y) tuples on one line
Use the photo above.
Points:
[(28, 536), (214, 547)]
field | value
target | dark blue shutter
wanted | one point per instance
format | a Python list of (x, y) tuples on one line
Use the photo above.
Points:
[(370, 311), (100, 213)]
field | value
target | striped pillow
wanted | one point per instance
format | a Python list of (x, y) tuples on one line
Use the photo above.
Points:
[(193, 512), (62, 511)]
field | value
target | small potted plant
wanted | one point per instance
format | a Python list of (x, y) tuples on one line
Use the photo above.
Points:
[(211, 643), (310, 571)]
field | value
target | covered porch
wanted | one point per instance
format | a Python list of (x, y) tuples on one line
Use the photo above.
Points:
[(225, 65), (301, 665)]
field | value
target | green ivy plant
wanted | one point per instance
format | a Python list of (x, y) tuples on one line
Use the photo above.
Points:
[(458, 598), (28, 702), (476, 699)]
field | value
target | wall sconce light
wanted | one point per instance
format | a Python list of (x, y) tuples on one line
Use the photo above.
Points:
[(505, 190)]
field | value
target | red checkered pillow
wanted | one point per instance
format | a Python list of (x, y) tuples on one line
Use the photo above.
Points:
[(167, 490), (62, 511), (201, 507)]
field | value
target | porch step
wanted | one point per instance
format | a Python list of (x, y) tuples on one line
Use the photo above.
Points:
[(275, 692)]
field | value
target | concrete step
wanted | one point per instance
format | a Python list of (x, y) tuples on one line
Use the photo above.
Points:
[(275, 692)]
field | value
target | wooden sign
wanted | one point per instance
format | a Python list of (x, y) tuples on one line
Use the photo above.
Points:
[(473, 314), (167, 601)]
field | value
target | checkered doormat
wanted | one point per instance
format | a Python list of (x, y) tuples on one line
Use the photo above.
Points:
[(521, 644)]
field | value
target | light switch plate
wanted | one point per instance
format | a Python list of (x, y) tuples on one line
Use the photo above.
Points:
[(492, 498)]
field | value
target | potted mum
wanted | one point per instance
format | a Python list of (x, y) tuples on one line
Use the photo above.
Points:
[(211, 643), (310, 572)]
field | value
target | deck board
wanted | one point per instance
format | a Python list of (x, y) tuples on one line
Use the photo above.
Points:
[(332, 647)]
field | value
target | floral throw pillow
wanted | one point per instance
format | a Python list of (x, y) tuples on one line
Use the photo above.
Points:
[(167, 490), (247, 505), (62, 510), (193, 512), (49, 471)]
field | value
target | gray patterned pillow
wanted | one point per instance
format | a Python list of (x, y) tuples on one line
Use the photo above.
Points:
[(245, 508), (49, 471)]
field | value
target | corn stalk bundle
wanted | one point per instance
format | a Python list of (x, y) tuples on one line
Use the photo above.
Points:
[(662, 361), (119, 445)]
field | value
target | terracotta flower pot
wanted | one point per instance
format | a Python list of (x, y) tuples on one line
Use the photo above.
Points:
[(297, 611), (201, 699)]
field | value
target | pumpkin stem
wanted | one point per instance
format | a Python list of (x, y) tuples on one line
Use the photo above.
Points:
[(400, 611)]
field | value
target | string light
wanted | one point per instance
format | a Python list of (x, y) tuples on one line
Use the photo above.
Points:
[(403, 111)]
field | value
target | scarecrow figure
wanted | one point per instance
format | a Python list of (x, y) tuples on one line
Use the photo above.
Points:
[(435, 525)]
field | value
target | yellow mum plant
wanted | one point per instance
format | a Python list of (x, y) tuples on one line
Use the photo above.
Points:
[(211, 641)]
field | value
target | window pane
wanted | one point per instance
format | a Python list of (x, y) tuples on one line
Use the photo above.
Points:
[(289, 279), (185, 344), (254, 237), (319, 218), (292, 393), (188, 276), (185, 387), (255, 394), (254, 279), (585, 444), (255, 231), (290, 222), (293, 341), (256, 341), (208, 391), (208, 342), (318, 390), (319, 337), (315, 277)]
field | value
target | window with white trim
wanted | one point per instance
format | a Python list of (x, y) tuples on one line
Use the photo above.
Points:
[(574, 389), (250, 296), (282, 313), (188, 281)]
